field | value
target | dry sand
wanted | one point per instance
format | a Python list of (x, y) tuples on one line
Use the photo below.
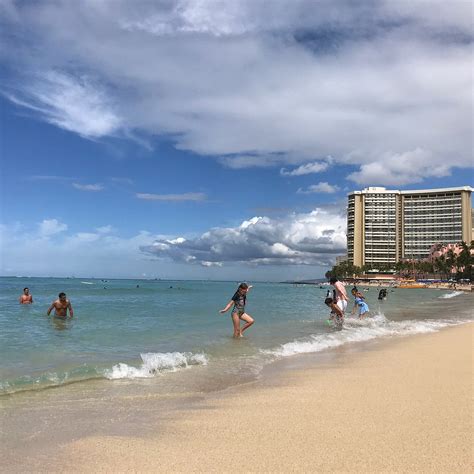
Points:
[(404, 407)]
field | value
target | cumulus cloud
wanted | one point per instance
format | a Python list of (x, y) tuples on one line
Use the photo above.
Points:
[(298, 239), (172, 197), (88, 187), (254, 84), (49, 227), (322, 187), (50, 249)]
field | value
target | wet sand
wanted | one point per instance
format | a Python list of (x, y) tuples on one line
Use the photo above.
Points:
[(405, 406)]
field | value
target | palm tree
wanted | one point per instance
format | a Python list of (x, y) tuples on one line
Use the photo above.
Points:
[(465, 260)]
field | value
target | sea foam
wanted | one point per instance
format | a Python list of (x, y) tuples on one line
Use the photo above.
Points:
[(356, 330), (155, 363), (451, 295)]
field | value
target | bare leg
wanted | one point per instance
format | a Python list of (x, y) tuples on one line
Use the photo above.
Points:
[(248, 319), (236, 323)]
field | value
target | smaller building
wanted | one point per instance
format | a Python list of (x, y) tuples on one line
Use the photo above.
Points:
[(341, 259)]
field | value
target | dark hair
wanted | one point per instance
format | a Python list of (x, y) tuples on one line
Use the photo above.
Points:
[(333, 280), (25, 288), (62, 294), (355, 289), (244, 286), (328, 301)]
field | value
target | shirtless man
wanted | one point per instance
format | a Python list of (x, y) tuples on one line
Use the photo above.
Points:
[(26, 298), (61, 305), (341, 295)]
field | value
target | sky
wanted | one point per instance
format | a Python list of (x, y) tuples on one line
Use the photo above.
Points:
[(205, 139)]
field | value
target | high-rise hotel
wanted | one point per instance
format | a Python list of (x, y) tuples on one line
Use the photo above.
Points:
[(385, 226)]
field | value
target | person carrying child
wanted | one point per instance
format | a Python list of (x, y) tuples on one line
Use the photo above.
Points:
[(238, 311)]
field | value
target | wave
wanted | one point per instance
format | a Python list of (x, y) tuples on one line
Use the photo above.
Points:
[(356, 330), (152, 364), (155, 364), (451, 295)]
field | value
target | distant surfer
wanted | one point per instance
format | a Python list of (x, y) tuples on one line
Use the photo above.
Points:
[(337, 316), (61, 306), (341, 298), (382, 294), (26, 298), (238, 311)]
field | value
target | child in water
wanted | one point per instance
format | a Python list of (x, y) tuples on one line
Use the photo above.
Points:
[(359, 302), (238, 311), (336, 314)]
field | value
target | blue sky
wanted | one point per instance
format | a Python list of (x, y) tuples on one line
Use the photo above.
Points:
[(219, 140)]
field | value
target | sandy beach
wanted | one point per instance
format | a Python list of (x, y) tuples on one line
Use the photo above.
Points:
[(402, 406)]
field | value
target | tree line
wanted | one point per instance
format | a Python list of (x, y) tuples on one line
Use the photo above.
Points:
[(448, 265)]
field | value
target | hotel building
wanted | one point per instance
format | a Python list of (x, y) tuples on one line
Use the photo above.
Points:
[(386, 226)]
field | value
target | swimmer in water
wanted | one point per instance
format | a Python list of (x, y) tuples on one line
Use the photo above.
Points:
[(61, 306), (26, 298)]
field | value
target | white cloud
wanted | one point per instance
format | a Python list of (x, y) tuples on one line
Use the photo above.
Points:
[(106, 229), (308, 168), (322, 187), (172, 197), (88, 187), (75, 103), (400, 168), (298, 239), (49, 227), (257, 85), (306, 243)]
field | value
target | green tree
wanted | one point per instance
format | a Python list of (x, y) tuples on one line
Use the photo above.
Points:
[(465, 260)]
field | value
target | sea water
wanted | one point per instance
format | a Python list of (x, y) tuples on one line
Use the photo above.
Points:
[(170, 333)]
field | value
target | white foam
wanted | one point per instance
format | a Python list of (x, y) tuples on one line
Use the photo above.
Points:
[(155, 364), (451, 295), (356, 330)]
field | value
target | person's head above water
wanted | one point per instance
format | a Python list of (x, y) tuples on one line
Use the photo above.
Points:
[(328, 301), (62, 296)]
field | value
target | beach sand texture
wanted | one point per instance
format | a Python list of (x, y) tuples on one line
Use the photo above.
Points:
[(404, 407)]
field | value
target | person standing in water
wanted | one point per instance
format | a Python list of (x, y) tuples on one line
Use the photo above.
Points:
[(26, 298), (61, 305), (341, 298), (359, 302), (238, 311)]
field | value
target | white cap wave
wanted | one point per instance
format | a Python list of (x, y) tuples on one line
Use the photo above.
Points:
[(156, 363), (356, 330)]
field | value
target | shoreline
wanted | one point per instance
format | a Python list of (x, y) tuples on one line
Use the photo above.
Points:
[(403, 405)]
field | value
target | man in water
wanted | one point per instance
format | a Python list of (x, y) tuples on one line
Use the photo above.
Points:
[(26, 298), (341, 295), (61, 305)]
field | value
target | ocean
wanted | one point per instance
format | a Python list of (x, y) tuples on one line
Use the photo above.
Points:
[(170, 335)]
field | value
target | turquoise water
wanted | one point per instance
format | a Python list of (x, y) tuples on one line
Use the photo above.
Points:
[(171, 332)]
